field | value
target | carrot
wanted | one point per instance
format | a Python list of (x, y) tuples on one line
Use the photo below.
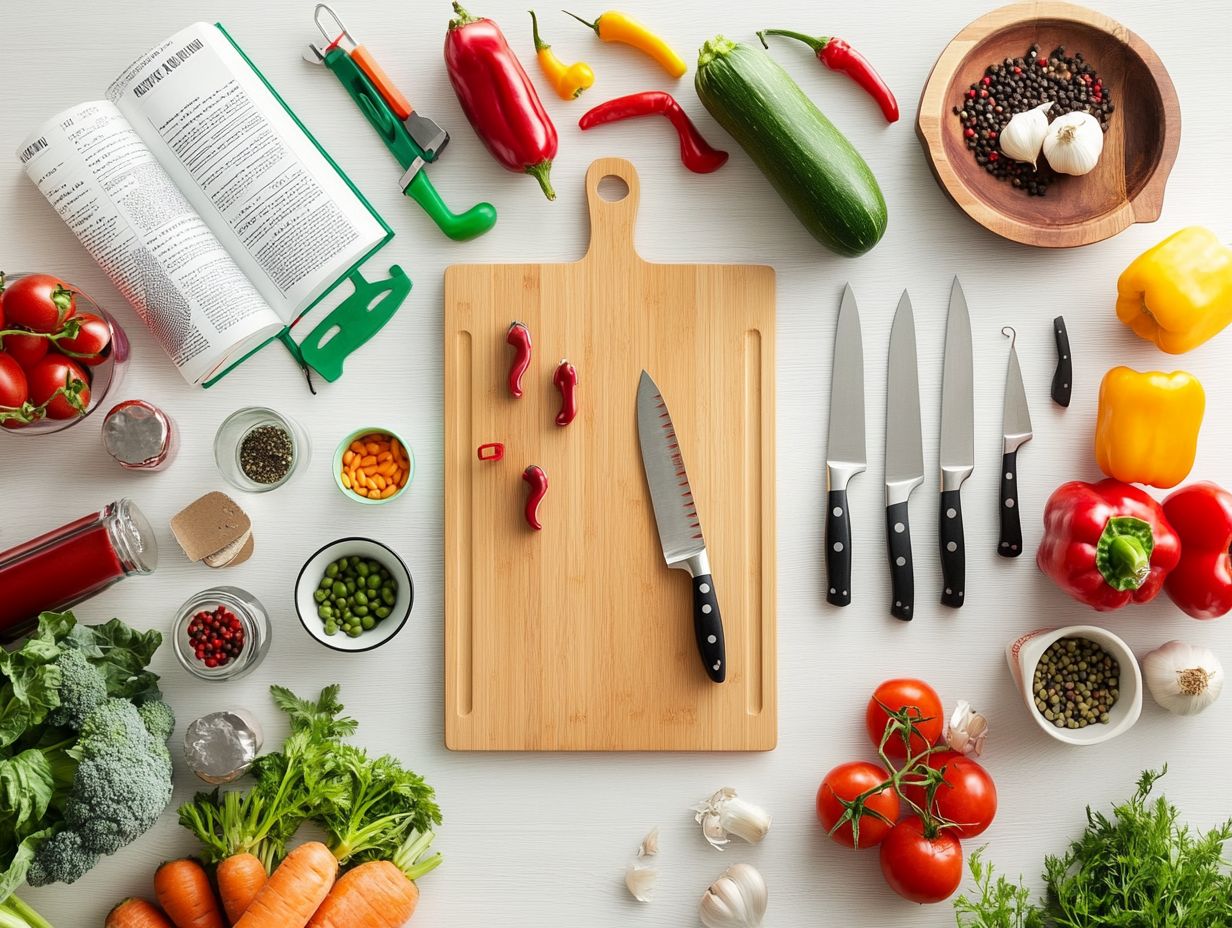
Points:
[(183, 890), (136, 913), (240, 877), (294, 890), (373, 895)]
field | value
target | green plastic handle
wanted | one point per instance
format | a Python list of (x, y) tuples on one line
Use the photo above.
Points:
[(458, 226), (353, 321)]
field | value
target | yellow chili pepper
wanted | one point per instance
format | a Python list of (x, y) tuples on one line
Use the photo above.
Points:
[(567, 80), (1147, 427), (1179, 294), (617, 27)]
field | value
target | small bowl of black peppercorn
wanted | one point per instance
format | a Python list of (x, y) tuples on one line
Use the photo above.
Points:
[(258, 449)]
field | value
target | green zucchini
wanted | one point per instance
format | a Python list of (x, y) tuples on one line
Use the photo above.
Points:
[(810, 163)]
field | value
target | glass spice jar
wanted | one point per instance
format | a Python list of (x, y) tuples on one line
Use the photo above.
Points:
[(241, 617), (257, 449), (140, 436), (74, 562)]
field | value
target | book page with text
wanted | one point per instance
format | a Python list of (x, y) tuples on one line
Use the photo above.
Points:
[(281, 209)]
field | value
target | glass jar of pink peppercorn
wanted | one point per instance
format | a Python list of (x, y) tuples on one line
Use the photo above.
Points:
[(222, 633)]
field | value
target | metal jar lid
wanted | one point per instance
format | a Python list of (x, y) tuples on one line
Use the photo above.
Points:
[(138, 434)]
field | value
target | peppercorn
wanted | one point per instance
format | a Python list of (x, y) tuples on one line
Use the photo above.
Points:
[(267, 454), (1076, 683)]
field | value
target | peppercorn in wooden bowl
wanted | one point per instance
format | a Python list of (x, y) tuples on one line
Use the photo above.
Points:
[(1078, 59)]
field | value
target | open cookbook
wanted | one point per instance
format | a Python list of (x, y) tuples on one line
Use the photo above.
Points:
[(206, 202)]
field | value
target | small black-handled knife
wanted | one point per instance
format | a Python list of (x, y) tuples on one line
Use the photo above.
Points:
[(845, 450), (904, 456), (1016, 432), (957, 446), (1063, 379), (680, 528)]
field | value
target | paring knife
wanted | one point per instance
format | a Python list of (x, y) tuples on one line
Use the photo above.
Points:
[(680, 529), (957, 446), (845, 452), (1016, 432), (904, 456)]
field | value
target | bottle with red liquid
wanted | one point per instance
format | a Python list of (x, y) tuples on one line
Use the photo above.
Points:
[(72, 563)]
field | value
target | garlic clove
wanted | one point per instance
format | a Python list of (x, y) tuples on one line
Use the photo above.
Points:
[(1074, 143), (640, 881), (967, 730), (737, 899), (1023, 137), (650, 844), (726, 813)]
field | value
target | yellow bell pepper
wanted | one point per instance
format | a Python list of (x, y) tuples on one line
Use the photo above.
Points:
[(1179, 294), (1147, 427), (619, 27), (568, 80)]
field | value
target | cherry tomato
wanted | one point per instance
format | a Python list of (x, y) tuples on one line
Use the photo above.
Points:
[(39, 302), (847, 781), (894, 695), (920, 868), (27, 350), (92, 341), (48, 376), (14, 389), (967, 797)]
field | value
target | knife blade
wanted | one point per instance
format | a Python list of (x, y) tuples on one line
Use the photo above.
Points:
[(680, 528), (957, 445), (846, 454), (1016, 432), (904, 455)]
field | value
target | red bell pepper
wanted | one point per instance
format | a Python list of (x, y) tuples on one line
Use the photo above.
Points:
[(498, 98), (1107, 544), (1201, 584)]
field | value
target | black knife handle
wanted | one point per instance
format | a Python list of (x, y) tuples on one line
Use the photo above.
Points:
[(838, 549), (708, 627), (902, 570), (1010, 543), (953, 550), (1063, 379)]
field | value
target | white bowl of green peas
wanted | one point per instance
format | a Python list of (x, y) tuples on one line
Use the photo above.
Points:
[(354, 594)]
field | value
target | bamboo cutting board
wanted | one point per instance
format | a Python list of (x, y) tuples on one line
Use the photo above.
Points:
[(578, 637)]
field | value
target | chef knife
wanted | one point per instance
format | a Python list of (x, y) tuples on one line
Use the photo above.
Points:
[(680, 530), (1016, 432), (957, 445), (904, 456), (845, 452)]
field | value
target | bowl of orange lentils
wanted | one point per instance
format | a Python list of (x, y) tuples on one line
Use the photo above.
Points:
[(373, 466)]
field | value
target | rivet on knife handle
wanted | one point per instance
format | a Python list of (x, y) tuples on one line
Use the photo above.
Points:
[(1010, 543), (953, 550), (902, 569), (838, 549), (708, 627), (1063, 379)]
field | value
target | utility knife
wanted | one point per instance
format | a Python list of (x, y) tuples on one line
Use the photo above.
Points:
[(957, 446), (904, 456), (1016, 432), (845, 452)]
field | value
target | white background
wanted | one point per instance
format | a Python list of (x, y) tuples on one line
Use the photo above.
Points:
[(539, 839)]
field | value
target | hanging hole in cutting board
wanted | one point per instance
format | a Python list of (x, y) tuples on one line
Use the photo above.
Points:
[(613, 189)]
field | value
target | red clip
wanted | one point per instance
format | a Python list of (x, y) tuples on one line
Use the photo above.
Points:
[(492, 451)]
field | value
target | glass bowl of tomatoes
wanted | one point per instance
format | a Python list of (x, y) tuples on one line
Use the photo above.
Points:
[(61, 354)]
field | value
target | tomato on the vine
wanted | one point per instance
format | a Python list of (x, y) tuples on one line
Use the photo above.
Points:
[(90, 344), (14, 390), (895, 695), (53, 373), (846, 782), (27, 350), (967, 796), (920, 868), (39, 302)]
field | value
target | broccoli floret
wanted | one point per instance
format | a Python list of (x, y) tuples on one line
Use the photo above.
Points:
[(158, 718), (62, 858), (82, 688)]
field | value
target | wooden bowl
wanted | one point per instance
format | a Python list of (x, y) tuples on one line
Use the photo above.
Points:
[(1144, 132)]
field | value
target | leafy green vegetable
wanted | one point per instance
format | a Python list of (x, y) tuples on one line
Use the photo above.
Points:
[(1139, 868)]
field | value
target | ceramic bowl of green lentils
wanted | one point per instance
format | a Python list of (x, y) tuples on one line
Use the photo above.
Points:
[(354, 594)]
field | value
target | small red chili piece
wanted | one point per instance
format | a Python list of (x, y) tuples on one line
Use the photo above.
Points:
[(695, 152), (519, 337), (565, 380), (491, 451), (837, 55), (537, 480)]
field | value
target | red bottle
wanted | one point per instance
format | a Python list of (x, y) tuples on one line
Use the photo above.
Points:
[(72, 563)]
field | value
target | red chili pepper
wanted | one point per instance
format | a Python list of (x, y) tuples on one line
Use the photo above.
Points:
[(537, 480), (498, 98), (837, 55), (565, 380), (697, 154), (1107, 544), (1201, 584), (518, 336)]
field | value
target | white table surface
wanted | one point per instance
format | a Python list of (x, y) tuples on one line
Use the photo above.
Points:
[(542, 839)]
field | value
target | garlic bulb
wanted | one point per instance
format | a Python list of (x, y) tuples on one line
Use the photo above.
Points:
[(967, 730), (726, 813), (640, 882), (1024, 135), (737, 899), (1073, 143), (1183, 679)]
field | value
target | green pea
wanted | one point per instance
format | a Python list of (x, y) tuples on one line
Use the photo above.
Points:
[(368, 623), (331, 570), (325, 611), (381, 612), (355, 632), (350, 587), (388, 596), (342, 563), (374, 581), (383, 574), (362, 569), (331, 628), (360, 597), (338, 588), (361, 611), (320, 596)]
